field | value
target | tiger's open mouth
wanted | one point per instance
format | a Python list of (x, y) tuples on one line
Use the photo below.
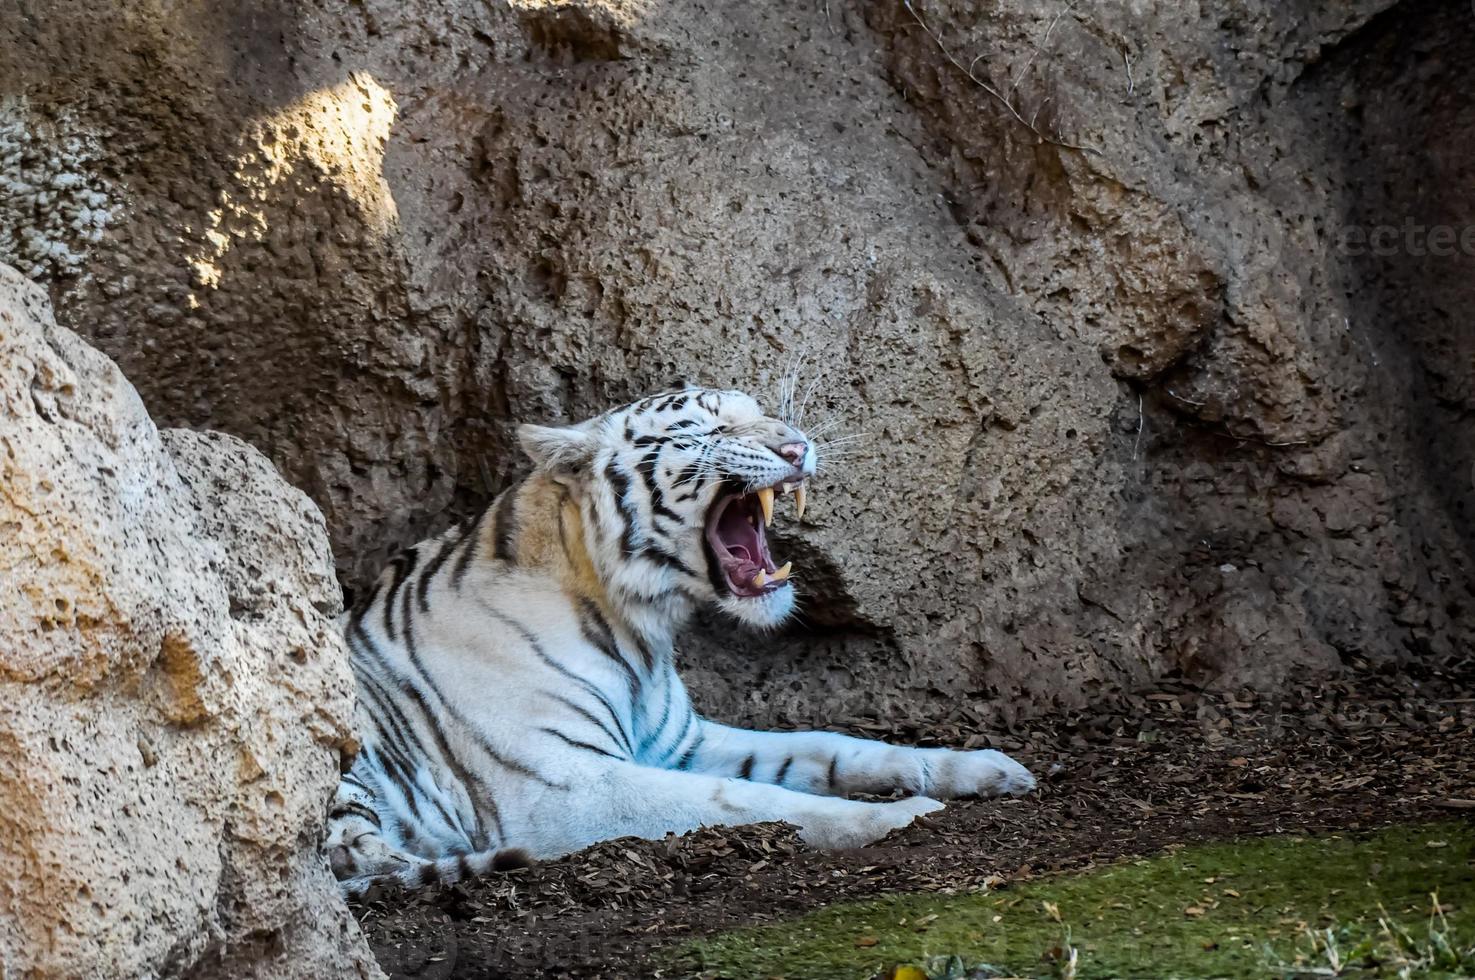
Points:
[(738, 543)]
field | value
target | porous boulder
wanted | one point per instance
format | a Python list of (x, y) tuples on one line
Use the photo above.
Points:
[(177, 697)]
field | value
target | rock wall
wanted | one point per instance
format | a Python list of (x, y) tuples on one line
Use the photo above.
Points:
[(1115, 405), (176, 696)]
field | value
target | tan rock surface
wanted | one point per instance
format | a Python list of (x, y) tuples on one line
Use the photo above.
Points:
[(176, 696), (1124, 412)]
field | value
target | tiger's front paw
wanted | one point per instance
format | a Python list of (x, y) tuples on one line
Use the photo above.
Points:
[(854, 824), (982, 773)]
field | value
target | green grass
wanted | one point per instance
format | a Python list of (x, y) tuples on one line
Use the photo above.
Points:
[(1248, 908)]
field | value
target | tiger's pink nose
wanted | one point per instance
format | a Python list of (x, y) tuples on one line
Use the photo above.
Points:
[(794, 452)]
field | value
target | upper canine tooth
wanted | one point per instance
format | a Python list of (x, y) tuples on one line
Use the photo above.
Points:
[(761, 579), (801, 497), (782, 573), (765, 500)]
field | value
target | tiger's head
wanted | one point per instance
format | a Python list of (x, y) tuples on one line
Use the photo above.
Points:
[(676, 491)]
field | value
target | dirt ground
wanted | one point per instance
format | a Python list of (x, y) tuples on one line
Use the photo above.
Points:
[(1163, 768)]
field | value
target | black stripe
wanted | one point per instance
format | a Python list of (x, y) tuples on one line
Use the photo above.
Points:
[(408, 625), (578, 744), (745, 771), (620, 741), (597, 634), (688, 473), (687, 756), (410, 557), (783, 770), (647, 470), (404, 563), (663, 557), (830, 776), (655, 733), (620, 484), (458, 571), (646, 656), (412, 650), (690, 719), (447, 546), (397, 767), (401, 567), (683, 424), (452, 821), (664, 532), (354, 809), (505, 548)]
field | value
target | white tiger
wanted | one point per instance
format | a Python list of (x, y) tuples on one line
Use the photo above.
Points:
[(517, 694)]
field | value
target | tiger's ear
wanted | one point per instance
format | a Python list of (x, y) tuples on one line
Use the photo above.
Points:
[(557, 449)]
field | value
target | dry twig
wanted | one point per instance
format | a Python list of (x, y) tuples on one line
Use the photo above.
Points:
[(998, 96)]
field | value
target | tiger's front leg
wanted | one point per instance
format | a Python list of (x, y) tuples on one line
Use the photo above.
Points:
[(839, 765), (613, 799)]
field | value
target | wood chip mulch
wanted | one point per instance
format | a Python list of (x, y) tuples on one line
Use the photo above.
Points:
[(1169, 767)]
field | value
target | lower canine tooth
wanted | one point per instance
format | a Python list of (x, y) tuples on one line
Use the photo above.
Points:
[(782, 573), (761, 579), (801, 497)]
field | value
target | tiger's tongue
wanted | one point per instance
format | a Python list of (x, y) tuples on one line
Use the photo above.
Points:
[(744, 540)]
